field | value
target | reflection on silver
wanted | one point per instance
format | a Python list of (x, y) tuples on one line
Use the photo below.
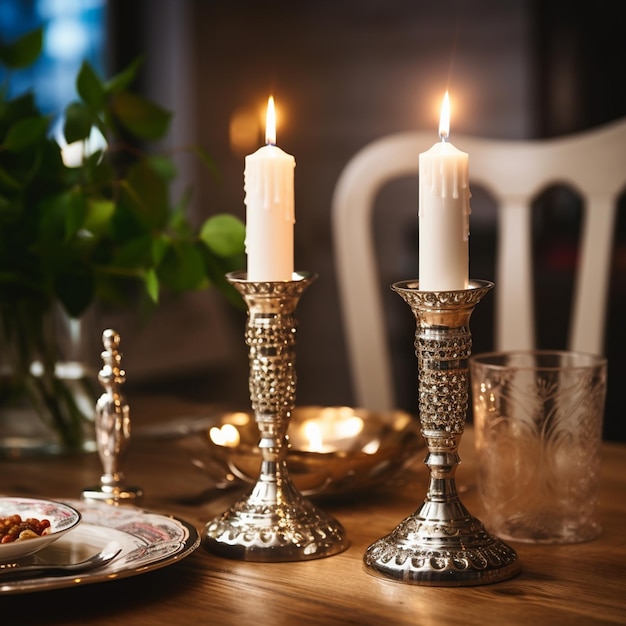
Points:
[(274, 522), (442, 543), (332, 450), (112, 428)]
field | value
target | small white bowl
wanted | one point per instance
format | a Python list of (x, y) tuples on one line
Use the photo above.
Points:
[(62, 518)]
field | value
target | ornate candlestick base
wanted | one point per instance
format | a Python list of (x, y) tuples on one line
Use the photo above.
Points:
[(441, 543), (274, 522), (113, 495)]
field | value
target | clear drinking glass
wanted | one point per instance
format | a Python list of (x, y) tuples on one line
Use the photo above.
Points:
[(538, 430)]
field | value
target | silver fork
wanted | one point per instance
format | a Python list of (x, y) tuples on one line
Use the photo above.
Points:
[(14, 571)]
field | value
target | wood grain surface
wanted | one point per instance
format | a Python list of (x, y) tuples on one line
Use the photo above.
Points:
[(573, 584)]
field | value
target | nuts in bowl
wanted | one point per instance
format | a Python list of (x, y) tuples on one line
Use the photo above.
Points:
[(14, 528), (28, 525)]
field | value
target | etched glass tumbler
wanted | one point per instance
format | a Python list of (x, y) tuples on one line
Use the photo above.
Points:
[(538, 431)]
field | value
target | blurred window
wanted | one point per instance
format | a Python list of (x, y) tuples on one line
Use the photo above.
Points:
[(74, 30)]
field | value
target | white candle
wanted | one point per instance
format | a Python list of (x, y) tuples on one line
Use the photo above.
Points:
[(444, 210), (270, 215)]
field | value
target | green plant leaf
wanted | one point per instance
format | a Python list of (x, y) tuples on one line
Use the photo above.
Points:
[(182, 268), (151, 282), (121, 81), (78, 122), (25, 133), (99, 214), (7, 181), (22, 52), (146, 193), (74, 213), (134, 254), (10, 213), (107, 229), (19, 108), (216, 268), (99, 173), (164, 166), (7, 209), (179, 222), (61, 217), (89, 87), (160, 245), (142, 118), (223, 234)]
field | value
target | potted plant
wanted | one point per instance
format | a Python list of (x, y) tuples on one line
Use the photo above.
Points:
[(102, 230)]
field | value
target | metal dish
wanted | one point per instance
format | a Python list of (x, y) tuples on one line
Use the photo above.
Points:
[(332, 450)]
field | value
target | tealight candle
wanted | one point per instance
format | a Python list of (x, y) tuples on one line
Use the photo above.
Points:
[(444, 210), (270, 215)]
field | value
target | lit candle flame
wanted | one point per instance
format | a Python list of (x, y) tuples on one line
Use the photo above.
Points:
[(270, 122), (444, 119)]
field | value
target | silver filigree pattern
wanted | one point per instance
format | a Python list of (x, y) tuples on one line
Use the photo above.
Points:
[(422, 301), (265, 530), (274, 522), (442, 543)]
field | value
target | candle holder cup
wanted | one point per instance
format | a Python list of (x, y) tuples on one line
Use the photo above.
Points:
[(273, 522), (442, 544)]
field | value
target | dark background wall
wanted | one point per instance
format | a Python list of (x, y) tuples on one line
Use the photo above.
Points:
[(343, 74)]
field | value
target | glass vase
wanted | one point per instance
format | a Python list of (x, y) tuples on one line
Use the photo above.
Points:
[(47, 398)]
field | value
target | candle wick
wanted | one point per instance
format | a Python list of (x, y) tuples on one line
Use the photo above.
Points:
[(443, 136)]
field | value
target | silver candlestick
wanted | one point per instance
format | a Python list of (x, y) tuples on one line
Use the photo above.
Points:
[(273, 522), (442, 543), (112, 428)]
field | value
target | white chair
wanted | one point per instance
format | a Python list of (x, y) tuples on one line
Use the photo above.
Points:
[(592, 163)]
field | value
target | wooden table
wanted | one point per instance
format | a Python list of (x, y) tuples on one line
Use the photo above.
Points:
[(575, 584)]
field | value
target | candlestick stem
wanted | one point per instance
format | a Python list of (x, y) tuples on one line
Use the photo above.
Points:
[(442, 543), (273, 522)]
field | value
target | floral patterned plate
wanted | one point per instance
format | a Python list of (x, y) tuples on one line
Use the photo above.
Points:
[(148, 541)]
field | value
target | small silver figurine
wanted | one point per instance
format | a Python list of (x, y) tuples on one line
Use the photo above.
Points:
[(112, 428)]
